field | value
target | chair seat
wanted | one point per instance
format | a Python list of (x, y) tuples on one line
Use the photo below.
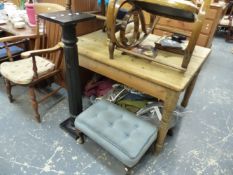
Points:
[(177, 9), (118, 131), (21, 72), (225, 21), (13, 49)]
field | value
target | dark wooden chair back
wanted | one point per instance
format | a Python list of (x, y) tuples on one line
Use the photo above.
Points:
[(64, 3), (48, 34), (16, 2)]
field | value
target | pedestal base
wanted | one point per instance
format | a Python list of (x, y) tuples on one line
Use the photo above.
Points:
[(68, 126)]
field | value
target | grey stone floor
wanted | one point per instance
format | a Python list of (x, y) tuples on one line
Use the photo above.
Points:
[(202, 143)]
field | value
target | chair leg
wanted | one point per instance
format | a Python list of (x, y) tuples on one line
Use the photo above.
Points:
[(8, 90), (34, 103), (111, 48)]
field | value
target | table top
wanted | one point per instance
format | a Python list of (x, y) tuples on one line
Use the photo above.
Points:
[(8, 27), (94, 46), (66, 17)]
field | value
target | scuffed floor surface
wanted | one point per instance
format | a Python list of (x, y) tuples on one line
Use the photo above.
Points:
[(202, 143)]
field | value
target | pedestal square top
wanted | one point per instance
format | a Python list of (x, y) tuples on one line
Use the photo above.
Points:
[(66, 17)]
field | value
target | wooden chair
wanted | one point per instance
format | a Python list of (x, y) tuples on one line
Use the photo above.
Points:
[(11, 50), (38, 65), (183, 10), (13, 46), (65, 3), (227, 22), (8, 49), (16, 2)]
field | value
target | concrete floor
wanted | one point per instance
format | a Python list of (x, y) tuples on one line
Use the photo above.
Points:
[(202, 143)]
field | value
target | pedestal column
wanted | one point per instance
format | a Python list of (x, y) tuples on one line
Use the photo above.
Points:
[(68, 20)]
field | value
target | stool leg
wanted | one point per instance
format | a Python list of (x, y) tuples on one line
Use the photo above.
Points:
[(80, 139), (128, 170)]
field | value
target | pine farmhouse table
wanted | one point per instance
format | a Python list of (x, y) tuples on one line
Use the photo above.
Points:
[(9, 29), (143, 75)]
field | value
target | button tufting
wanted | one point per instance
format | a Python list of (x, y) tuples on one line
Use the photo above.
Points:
[(126, 134), (114, 128), (136, 125), (110, 124), (96, 116)]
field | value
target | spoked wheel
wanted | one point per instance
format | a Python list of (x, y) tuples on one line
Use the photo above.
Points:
[(131, 30)]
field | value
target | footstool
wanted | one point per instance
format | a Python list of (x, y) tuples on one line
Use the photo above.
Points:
[(118, 131)]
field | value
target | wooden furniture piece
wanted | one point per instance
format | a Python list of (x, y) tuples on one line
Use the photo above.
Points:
[(15, 37), (143, 75), (13, 46), (68, 20), (9, 51), (10, 30), (39, 65), (83, 6), (23, 35), (81, 28), (227, 22), (16, 2), (176, 9), (166, 26), (31, 31), (65, 3)]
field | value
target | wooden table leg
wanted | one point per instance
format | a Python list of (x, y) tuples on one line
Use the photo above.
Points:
[(169, 105), (189, 91)]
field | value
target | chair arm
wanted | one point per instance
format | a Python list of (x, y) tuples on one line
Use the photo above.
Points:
[(42, 51), (38, 52)]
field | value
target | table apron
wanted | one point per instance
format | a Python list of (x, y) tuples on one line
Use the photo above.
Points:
[(130, 80)]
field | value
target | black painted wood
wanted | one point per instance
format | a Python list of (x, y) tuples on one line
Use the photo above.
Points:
[(66, 17), (68, 20), (72, 69)]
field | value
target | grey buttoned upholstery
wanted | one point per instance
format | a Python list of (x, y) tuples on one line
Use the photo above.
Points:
[(118, 131)]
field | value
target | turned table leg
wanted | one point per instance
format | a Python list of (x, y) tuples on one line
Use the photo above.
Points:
[(189, 91), (169, 106)]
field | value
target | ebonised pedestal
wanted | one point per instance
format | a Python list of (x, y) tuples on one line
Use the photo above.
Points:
[(68, 20)]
